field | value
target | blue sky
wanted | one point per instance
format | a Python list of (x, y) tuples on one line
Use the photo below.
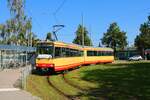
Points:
[(98, 14)]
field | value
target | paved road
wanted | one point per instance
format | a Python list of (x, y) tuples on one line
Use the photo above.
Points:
[(8, 78), (16, 95)]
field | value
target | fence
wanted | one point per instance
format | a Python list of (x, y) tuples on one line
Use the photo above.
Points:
[(24, 73)]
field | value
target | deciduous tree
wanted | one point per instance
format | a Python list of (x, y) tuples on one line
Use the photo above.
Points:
[(142, 41), (49, 36), (22, 25), (114, 37)]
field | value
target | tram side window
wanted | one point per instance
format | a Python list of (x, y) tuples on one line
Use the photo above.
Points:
[(102, 53), (95, 53), (57, 52), (110, 53), (107, 53), (99, 53), (74, 53), (92, 53), (81, 53), (67, 52), (71, 53), (63, 53)]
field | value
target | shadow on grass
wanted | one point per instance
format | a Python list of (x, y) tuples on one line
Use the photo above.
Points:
[(51, 72), (131, 82), (44, 73), (48, 73)]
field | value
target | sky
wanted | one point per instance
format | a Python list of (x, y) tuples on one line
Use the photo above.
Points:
[(97, 16)]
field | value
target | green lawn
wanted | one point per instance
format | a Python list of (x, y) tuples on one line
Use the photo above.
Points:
[(39, 86), (59, 82), (117, 81)]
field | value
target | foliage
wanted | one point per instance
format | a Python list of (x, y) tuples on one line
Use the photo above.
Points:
[(114, 37), (17, 8), (49, 36), (142, 41), (17, 29), (20, 22), (79, 34)]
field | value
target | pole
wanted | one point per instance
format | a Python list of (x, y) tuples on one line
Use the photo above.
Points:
[(31, 39), (83, 35), (1, 60), (82, 32)]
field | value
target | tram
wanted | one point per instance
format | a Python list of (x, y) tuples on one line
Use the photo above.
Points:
[(60, 56)]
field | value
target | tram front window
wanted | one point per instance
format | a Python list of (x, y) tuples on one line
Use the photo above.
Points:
[(45, 50)]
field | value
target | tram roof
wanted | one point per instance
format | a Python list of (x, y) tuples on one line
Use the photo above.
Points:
[(75, 46), (97, 48)]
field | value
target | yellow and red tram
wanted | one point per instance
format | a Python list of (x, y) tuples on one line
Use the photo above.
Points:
[(59, 56)]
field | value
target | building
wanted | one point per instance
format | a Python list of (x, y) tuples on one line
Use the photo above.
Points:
[(125, 54)]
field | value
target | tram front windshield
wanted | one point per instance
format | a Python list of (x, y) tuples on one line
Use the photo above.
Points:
[(45, 50)]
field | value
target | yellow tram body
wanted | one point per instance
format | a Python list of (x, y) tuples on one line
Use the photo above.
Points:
[(65, 56)]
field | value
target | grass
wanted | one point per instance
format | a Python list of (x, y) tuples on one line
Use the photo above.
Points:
[(59, 82), (117, 81), (38, 86)]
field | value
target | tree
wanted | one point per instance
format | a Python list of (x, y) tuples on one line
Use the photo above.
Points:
[(79, 34), (2, 32), (10, 27), (142, 41), (99, 45), (35, 40), (114, 38), (17, 30), (17, 9), (22, 25), (29, 34), (49, 36)]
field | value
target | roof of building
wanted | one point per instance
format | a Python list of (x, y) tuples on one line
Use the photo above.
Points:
[(17, 48)]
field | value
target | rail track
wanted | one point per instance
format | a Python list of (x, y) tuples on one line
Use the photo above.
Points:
[(73, 85), (34, 86), (69, 97)]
